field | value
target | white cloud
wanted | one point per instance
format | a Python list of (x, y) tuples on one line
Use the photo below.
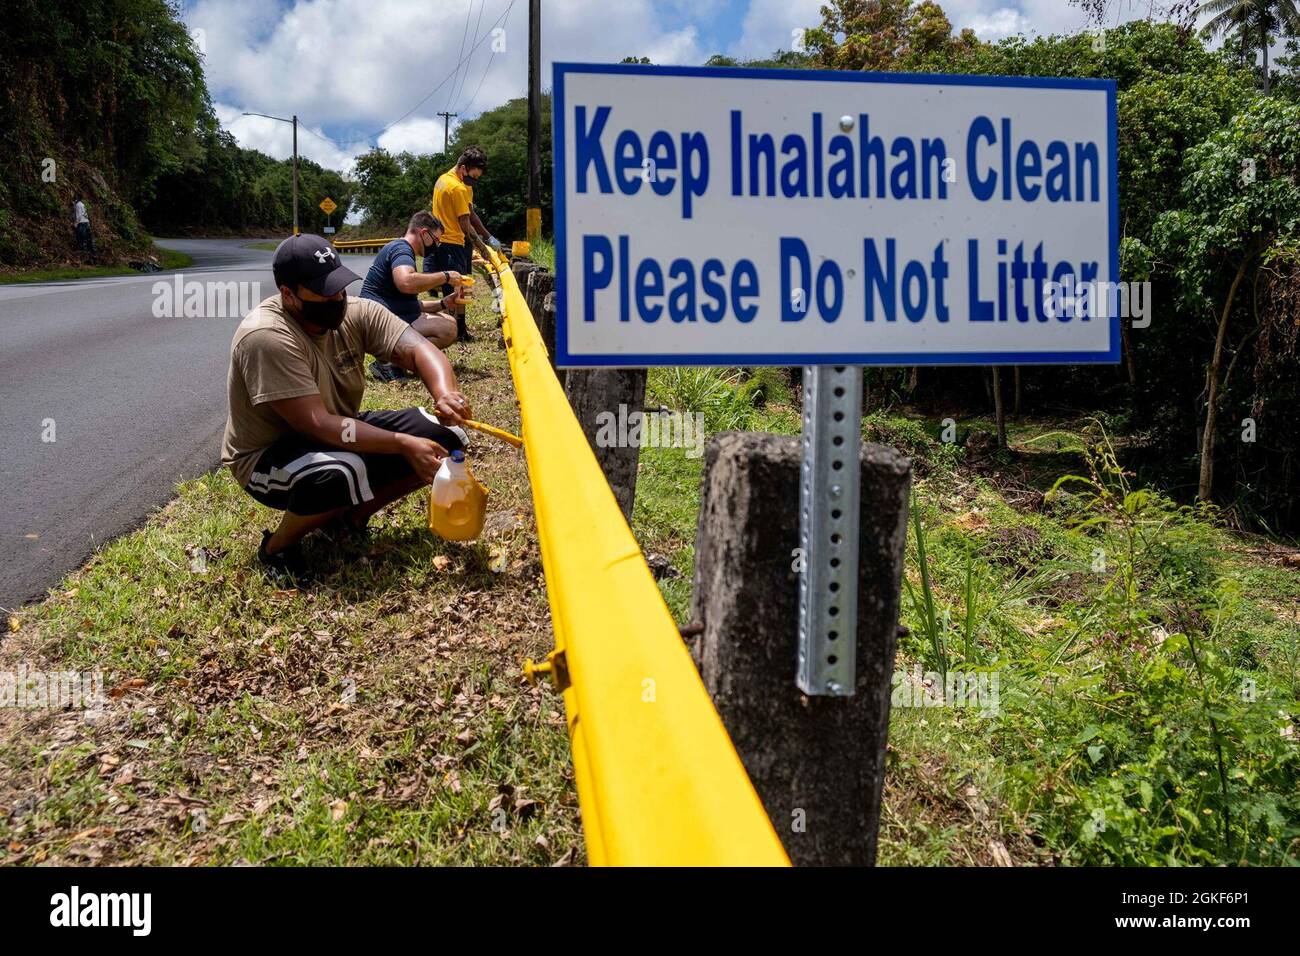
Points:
[(356, 66), (771, 25), (417, 135), (998, 24), (276, 139)]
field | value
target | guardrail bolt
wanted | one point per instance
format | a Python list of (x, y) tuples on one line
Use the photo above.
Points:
[(555, 667)]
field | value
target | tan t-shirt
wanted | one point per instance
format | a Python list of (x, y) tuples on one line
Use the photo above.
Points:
[(273, 357)]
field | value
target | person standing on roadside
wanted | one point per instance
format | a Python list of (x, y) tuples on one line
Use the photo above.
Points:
[(85, 240), (453, 205)]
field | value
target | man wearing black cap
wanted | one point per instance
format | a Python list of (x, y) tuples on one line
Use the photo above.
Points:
[(294, 439)]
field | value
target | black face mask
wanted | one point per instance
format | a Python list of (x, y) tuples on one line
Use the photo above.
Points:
[(328, 315)]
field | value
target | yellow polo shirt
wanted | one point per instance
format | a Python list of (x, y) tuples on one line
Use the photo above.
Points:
[(451, 200)]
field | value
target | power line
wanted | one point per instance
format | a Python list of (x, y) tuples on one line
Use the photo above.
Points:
[(469, 12), (325, 139), (491, 59), (433, 91), (482, 4)]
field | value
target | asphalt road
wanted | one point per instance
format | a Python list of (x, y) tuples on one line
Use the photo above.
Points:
[(137, 403)]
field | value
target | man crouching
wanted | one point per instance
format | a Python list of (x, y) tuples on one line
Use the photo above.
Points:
[(294, 439)]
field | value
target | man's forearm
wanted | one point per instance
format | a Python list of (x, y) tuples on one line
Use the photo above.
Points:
[(352, 434), (434, 369), (479, 228), (422, 282), (435, 306)]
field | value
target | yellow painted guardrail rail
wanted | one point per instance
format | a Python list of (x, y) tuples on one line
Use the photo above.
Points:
[(359, 245), (659, 781)]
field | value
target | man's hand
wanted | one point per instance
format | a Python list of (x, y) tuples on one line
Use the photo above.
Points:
[(452, 407), (425, 456), (453, 277)]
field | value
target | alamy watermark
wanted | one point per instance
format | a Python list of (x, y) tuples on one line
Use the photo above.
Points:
[(977, 690), (653, 429), (52, 690), (192, 299), (1098, 299)]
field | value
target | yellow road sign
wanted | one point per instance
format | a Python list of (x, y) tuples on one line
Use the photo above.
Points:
[(328, 206)]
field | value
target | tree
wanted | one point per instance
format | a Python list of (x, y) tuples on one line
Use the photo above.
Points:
[(888, 35), (501, 199), (111, 91), (1262, 18), (1240, 198)]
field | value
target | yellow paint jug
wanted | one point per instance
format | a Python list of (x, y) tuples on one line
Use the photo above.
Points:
[(457, 502)]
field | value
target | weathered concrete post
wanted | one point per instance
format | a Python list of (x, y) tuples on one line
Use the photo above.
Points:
[(548, 322), (593, 391), (540, 284), (817, 762), (521, 268)]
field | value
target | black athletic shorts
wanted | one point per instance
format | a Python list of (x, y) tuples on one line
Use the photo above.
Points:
[(305, 477), (446, 256)]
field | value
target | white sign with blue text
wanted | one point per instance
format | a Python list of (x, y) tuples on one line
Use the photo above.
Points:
[(782, 217)]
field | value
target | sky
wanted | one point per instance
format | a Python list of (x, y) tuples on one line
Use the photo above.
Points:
[(361, 73)]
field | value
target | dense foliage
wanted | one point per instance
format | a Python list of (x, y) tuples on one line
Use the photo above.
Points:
[(98, 101), (227, 187), (1174, 94), (105, 102)]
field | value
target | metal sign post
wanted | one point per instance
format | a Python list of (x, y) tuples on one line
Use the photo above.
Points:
[(828, 529)]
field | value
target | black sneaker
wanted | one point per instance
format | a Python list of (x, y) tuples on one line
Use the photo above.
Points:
[(385, 372), (462, 330), (344, 534), (284, 566)]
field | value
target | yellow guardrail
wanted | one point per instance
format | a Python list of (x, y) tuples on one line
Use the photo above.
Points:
[(359, 245), (659, 781)]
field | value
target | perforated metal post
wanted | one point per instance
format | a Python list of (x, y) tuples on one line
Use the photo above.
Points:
[(828, 529)]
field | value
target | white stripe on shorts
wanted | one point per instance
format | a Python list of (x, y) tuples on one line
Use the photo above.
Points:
[(350, 464)]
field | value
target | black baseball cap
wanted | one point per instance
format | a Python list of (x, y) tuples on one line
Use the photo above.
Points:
[(310, 261)]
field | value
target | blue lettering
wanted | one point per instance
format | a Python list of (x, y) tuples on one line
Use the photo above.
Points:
[(588, 148)]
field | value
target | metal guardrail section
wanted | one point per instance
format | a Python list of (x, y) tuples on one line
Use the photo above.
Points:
[(659, 781), (359, 245)]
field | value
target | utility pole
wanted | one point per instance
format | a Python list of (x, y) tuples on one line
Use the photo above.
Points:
[(446, 122), (295, 174), (534, 214), (294, 123)]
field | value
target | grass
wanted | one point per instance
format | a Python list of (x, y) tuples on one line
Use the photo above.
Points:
[(543, 251), (1148, 661), (1147, 656), (168, 259), (379, 717)]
